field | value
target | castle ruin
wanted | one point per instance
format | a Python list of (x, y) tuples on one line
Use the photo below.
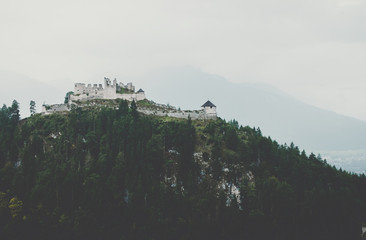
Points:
[(111, 90)]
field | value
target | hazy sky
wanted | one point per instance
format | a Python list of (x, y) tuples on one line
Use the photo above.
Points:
[(312, 49)]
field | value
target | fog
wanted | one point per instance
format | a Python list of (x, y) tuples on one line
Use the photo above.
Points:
[(313, 50), (309, 56)]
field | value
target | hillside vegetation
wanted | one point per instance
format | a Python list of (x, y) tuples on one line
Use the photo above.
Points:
[(107, 173)]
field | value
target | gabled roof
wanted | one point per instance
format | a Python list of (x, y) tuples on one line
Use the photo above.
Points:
[(140, 90), (208, 104)]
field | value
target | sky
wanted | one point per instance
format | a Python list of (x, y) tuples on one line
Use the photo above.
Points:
[(314, 50)]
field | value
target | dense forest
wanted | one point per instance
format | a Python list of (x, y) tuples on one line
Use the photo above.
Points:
[(111, 173)]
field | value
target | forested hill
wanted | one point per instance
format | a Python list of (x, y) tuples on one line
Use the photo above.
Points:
[(114, 174)]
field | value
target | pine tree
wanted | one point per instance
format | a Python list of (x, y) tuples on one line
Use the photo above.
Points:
[(32, 107)]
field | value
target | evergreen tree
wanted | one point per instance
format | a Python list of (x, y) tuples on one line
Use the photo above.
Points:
[(133, 107), (32, 107)]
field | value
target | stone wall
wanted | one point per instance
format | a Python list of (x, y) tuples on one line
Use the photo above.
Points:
[(210, 112), (131, 96), (83, 92), (110, 89), (49, 109), (107, 95), (86, 96), (197, 114)]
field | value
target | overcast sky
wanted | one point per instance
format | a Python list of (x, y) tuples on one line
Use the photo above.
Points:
[(314, 50)]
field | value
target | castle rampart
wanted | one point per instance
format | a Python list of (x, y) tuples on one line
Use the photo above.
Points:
[(111, 90), (195, 114)]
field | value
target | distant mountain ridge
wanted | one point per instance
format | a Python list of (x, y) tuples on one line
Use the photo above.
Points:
[(278, 115)]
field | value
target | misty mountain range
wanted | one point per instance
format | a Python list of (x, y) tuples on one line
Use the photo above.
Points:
[(278, 115)]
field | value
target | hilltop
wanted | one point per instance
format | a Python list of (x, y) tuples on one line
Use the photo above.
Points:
[(97, 96), (114, 173)]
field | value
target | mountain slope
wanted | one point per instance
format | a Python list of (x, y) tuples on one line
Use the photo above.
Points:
[(104, 173)]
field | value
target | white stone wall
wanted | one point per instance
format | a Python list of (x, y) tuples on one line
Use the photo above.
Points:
[(210, 112), (49, 109), (140, 96), (109, 93), (109, 89), (103, 95), (83, 92), (79, 88), (175, 114), (198, 114), (86, 96), (131, 96)]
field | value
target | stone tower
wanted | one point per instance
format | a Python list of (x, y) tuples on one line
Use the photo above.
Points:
[(209, 109), (109, 89)]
